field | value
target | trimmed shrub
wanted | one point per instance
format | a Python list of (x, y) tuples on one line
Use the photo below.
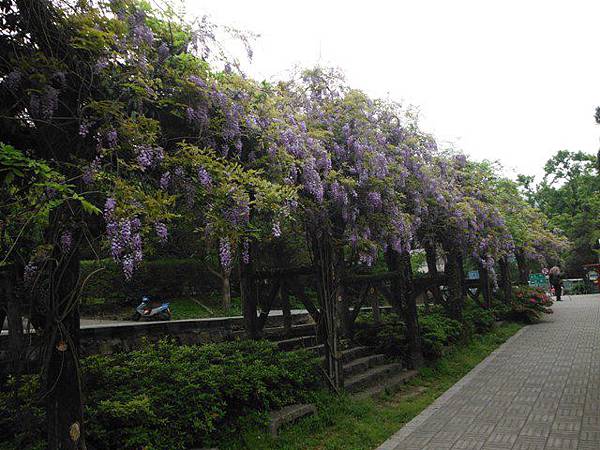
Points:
[(176, 397), (477, 319), (438, 331), (387, 337)]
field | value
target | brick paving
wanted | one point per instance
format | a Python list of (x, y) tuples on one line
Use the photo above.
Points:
[(540, 390)]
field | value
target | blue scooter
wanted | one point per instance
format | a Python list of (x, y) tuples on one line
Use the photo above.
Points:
[(152, 310)]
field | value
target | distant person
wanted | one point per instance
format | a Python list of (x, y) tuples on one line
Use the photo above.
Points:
[(555, 279)]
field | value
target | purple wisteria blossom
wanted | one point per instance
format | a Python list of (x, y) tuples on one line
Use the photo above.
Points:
[(276, 229), (312, 180), (204, 177), (126, 244), (161, 232), (128, 265), (163, 52), (225, 255), (246, 251), (165, 180), (112, 138), (374, 199), (43, 106), (30, 273), (90, 172), (197, 116), (13, 79), (66, 241), (239, 213), (148, 156), (338, 194), (84, 128), (109, 207), (197, 81), (141, 33)]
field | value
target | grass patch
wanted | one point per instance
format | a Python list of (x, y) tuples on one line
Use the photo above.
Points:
[(181, 308), (351, 424), (191, 308)]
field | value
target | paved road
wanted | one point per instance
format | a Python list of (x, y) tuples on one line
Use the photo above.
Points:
[(101, 323), (540, 390)]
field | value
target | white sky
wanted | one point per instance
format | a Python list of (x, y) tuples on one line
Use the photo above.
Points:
[(509, 80)]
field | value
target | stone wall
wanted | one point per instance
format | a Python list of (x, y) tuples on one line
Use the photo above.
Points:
[(116, 337)]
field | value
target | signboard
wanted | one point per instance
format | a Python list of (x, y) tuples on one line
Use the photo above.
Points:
[(473, 275), (538, 280)]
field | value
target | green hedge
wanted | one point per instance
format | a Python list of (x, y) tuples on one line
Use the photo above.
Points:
[(167, 278), (437, 332), (477, 319), (437, 329), (172, 397), (388, 337)]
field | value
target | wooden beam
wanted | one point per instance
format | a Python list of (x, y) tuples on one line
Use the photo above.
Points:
[(264, 314), (307, 302), (363, 294), (281, 272)]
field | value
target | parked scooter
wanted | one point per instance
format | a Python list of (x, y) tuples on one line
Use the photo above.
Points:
[(152, 310)]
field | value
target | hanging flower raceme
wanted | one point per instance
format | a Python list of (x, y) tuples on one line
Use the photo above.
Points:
[(225, 255), (161, 231), (125, 237)]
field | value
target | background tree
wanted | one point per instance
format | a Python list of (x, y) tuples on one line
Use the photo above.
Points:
[(569, 195)]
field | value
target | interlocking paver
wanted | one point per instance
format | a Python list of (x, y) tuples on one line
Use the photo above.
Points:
[(539, 391)]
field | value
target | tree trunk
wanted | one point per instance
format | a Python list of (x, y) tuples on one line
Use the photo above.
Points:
[(413, 332), (226, 291), (405, 304), (248, 295), (346, 324), (375, 306), (486, 291), (63, 380), (431, 256), (505, 284), (4, 287), (523, 266), (3, 314), (15, 323), (454, 275), (285, 306), (392, 262), (328, 295)]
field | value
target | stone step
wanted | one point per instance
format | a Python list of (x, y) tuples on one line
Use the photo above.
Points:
[(348, 355), (391, 385), (363, 364), (372, 377), (318, 350), (297, 343), (288, 414), (353, 353)]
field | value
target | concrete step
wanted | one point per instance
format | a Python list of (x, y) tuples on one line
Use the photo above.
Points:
[(297, 343), (390, 385), (363, 364), (372, 377)]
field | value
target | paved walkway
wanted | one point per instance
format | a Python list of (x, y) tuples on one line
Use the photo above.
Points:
[(540, 390)]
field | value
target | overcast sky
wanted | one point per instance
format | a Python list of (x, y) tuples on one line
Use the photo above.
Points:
[(511, 80)]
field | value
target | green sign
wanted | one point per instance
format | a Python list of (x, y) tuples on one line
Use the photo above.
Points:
[(538, 280)]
